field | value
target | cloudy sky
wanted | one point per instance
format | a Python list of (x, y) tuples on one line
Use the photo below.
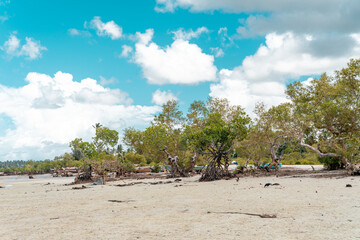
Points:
[(66, 65)]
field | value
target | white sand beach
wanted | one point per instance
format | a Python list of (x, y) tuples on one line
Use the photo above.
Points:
[(306, 208)]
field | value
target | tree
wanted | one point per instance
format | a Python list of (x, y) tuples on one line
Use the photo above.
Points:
[(134, 138), (221, 127), (81, 149), (327, 110), (105, 139), (272, 128), (170, 116)]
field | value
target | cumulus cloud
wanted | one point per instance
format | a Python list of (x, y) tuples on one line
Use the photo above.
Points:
[(262, 76), (32, 49), (241, 91), (160, 97), (110, 28), (12, 45), (48, 112), (180, 63), (188, 35), (126, 51)]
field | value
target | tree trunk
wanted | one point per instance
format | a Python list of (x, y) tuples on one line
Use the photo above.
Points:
[(215, 170), (175, 168)]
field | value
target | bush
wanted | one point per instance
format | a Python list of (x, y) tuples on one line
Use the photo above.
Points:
[(127, 167), (156, 168), (331, 163), (135, 158)]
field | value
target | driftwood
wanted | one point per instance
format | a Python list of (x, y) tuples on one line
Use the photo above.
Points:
[(150, 183), (121, 201), (271, 184), (78, 188), (250, 214)]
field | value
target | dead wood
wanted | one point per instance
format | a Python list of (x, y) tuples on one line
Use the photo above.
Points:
[(150, 183), (121, 201), (250, 214), (78, 188)]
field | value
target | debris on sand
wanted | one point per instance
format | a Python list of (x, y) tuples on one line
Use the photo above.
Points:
[(121, 201), (250, 214), (271, 184), (78, 188), (151, 183), (348, 185)]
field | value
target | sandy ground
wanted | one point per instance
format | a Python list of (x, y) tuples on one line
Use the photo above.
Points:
[(306, 208)]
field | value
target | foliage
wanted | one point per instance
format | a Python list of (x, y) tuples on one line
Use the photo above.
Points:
[(156, 168), (135, 158), (327, 112), (331, 163), (105, 139)]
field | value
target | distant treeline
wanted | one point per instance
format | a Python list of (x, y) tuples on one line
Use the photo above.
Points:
[(14, 163), (27, 167)]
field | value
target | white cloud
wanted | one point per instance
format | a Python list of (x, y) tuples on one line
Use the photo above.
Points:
[(126, 50), (49, 112), (307, 16), (110, 28), (160, 97), (31, 49), (4, 18), (12, 45), (73, 31), (243, 92), (104, 81), (76, 32), (180, 63), (262, 76), (165, 5), (188, 35), (225, 39), (218, 52), (251, 5)]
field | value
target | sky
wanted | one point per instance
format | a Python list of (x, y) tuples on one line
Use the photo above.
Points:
[(66, 65)]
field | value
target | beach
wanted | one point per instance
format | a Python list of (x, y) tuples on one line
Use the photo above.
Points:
[(305, 208)]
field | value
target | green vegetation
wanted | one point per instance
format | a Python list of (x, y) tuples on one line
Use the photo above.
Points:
[(319, 124)]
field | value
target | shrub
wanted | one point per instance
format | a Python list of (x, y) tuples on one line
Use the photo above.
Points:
[(331, 163), (127, 167), (156, 168), (135, 158)]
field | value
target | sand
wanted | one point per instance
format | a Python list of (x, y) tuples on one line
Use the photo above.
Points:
[(306, 208)]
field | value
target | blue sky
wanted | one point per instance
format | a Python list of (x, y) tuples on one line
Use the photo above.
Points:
[(65, 65)]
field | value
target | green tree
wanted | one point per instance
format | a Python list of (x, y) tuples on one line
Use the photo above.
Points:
[(105, 139), (328, 110), (221, 128), (273, 127)]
